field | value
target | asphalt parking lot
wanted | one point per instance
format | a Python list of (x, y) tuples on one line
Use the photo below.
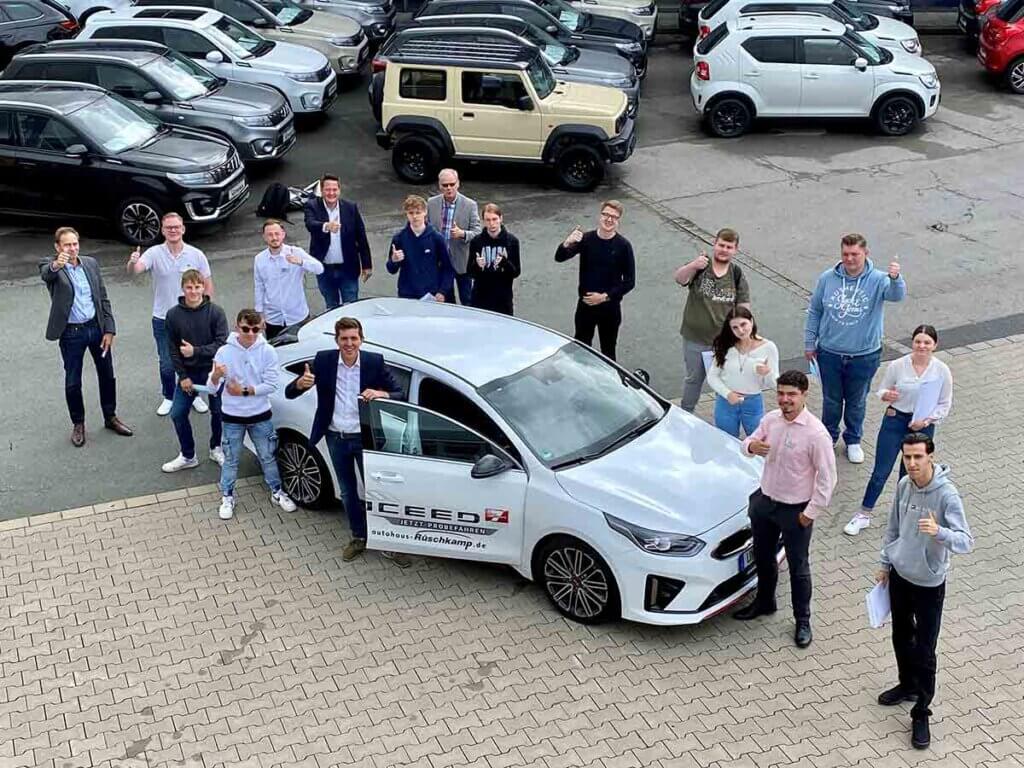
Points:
[(944, 200)]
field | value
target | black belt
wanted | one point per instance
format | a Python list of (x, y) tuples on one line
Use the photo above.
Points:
[(93, 321)]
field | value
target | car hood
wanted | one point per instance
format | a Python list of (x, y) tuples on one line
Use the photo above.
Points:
[(180, 151), (907, 64), (682, 476), (890, 29), (609, 26), (241, 100), (290, 58), (595, 66), (584, 99), (325, 25)]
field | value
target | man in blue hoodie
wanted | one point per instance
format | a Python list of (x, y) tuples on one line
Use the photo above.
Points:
[(844, 335), (926, 525), (419, 256)]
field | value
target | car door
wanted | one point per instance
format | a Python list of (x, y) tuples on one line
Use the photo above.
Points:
[(491, 119), (770, 67), (11, 194), (421, 495), (831, 86)]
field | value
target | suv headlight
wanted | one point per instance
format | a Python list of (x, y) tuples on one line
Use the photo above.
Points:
[(656, 542), (192, 179), (256, 121), (911, 46), (306, 77), (647, 10), (928, 81), (345, 41), (630, 47)]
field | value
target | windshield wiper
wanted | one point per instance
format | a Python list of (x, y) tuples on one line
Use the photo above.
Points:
[(625, 437)]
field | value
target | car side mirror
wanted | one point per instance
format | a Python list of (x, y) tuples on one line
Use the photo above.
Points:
[(551, 29), (488, 465), (524, 103), (76, 150), (643, 375), (860, 63), (152, 97), (259, 23), (215, 57)]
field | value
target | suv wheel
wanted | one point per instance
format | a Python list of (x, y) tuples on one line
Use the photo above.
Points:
[(578, 582), (415, 159), (896, 116), (728, 118), (1015, 75), (303, 474), (138, 221), (579, 168)]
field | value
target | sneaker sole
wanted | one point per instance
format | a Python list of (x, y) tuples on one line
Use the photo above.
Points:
[(179, 469)]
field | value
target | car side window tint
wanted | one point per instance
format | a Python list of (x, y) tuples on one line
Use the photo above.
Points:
[(45, 133), (403, 377), (187, 43), (8, 138), (123, 81), (407, 431), (502, 89), (452, 403), (772, 50), (427, 84), (828, 51), (152, 34), (22, 11)]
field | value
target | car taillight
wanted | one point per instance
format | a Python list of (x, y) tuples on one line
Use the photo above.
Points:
[(703, 70), (68, 25), (379, 64), (704, 31)]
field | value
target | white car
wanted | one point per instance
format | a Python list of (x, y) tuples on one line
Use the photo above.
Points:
[(888, 33), (226, 48), (518, 445), (793, 65)]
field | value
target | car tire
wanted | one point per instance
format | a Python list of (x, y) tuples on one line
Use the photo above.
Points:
[(579, 168), (138, 221), (375, 93), (896, 116), (728, 118), (415, 159), (578, 582), (304, 474), (1015, 75)]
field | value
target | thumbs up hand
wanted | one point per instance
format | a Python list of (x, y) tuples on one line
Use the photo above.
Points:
[(762, 368), (220, 370), (306, 380), (187, 350), (397, 255), (61, 259), (928, 525), (293, 258), (133, 259)]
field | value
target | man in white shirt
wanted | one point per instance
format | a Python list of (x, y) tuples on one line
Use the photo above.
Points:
[(168, 261), (279, 274), (337, 237)]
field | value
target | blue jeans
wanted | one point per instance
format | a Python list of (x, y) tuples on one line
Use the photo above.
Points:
[(887, 451), (845, 381), (748, 413), (264, 438), (346, 454), (76, 339), (181, 406), (163, 352), (336, 287), (465, 285)]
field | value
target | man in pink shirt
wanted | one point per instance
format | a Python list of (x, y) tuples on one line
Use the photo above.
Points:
[(796, 486)]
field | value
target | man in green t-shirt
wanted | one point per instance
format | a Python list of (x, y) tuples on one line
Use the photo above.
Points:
[(714, 287)]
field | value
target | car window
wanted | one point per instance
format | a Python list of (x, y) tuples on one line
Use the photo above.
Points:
[(712, 8), (749, 10), (428, 84), (828, 51), (67, 71), (452, 403), (403, 429), (403, 377), (152, 34), (500, 89), (8, 138), (45, 133), (22, 11), (123, 81), (187, 42), (180, 76), (244, 13), (772, 50)]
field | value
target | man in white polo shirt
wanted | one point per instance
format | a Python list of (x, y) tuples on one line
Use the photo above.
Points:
[(168, 261)]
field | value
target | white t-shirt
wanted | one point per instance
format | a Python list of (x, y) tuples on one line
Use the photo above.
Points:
[(901, 374), (739, 373), (167, 270)]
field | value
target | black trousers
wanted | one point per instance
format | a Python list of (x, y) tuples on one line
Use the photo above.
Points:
[(606, 318), (770, 519), (916, 618), (77, 339)]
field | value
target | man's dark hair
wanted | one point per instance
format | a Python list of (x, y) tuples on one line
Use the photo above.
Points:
[(919, 438), (796, 379), (347, 324), (250, 316), (329, 177)]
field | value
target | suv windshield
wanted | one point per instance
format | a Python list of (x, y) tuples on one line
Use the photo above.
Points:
[(860, 21), (573, 406), (562, 11), (541, 77), (286, 12), (183, 78), (554, 52), (872, 52), (245, 43), (115, 125)]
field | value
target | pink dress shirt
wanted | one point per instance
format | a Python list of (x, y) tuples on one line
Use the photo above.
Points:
[(801, 462)]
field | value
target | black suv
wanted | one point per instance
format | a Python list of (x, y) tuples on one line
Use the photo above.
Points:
[(70, 150), (24, 22)]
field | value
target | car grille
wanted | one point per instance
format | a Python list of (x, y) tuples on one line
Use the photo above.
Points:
[(228, 169), (323, 74), (280, 114)]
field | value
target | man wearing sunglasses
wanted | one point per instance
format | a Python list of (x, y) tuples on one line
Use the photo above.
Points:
[(244, 376), (457, 218)]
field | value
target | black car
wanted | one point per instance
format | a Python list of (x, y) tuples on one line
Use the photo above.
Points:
[(70, 150), (25, 22), (893, 9)]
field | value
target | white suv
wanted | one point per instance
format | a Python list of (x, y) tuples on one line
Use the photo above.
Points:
[(887, 33), (806, 66)]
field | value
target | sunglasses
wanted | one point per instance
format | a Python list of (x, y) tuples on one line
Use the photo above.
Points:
[(249, 328)]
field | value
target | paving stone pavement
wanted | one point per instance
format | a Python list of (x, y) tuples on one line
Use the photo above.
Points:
[(146, 632)]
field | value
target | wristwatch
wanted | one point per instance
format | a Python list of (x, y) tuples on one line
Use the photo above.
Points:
[(246, 391)]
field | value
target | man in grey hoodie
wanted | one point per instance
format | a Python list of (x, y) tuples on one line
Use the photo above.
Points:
[(926, 525)]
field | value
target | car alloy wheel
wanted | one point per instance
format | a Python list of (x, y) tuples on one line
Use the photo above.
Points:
[(1015, 76), (897, 116), (578, 582), (140, 222), (302, 475), (729, 118)]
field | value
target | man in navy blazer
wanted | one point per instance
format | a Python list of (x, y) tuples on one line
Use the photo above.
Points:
[(342, 378), (337, 237)]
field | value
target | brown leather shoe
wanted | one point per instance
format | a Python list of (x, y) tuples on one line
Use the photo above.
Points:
[(78, 435), (114, 424)]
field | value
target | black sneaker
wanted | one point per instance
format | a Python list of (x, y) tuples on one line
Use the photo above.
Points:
[(755, 609), (920, 733), (895, 696)]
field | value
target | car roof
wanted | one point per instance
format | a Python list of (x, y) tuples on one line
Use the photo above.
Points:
[(445, 45), (786, 2), (203, 17), (782, 22), (473, 344), (64, 98), (119, 50)]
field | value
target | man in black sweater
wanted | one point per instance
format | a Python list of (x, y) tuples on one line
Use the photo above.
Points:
[(607, 273)]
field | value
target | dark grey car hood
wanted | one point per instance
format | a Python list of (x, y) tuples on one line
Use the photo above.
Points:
[(240, 100), (598, 67), (180, 151)]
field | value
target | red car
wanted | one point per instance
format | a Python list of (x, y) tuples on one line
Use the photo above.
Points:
[(1001, 48)]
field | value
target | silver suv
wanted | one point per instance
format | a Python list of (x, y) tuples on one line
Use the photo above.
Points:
[(227, 49), (256, 119), (376, 17)]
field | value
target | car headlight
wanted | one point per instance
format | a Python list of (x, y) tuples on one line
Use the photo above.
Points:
[(192, 179), (623, 83), (911, 46), (647, 10), (375, 9), (306, 77), (656, 542), (630, 47), (256, 121), (929, 81), (345, 41)]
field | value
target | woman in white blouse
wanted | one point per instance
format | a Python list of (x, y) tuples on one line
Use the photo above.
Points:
[(901, 385), (743, 364)]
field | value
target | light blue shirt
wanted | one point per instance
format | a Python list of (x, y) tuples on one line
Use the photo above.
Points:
[(83, 309)]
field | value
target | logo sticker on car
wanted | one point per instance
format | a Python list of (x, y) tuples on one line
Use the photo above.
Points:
[(496, 516)]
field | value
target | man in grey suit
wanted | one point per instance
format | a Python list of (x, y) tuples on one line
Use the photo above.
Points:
[(80, 320), (457, 218)]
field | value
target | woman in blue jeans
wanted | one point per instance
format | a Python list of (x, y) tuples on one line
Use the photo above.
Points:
[(743, 364), (900, 388)]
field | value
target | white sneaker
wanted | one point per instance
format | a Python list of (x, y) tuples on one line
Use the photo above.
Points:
[(857, 523), (281, 499), (855, 454), (217, 456), (227, 507), (179, 463), (164, 408), (199, 405)]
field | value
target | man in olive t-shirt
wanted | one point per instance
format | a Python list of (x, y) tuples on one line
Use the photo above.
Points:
[(714, 287)]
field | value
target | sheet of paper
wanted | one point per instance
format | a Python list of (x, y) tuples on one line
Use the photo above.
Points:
[(927, 398), (878, 608), (427, 297), (709, 360), (202, 388), (812, 369)]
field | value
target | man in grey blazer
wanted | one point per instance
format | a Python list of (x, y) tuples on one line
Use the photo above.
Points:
[(457, 218), (80, 320)]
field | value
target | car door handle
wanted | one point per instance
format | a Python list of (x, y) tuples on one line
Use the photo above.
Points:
[(469, 114), (751, 74), (27, 164), (387, 477), (812, 77)]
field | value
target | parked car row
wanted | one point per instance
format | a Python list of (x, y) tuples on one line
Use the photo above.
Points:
[(1001, 42)]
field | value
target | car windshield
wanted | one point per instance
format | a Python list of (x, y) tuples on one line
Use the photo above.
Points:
[(562, 11), (555, 54), (183, 78), (541, 77), (242, 42), (872, 52), (573, 406), (115, 125), (287, 13), (854, 16)]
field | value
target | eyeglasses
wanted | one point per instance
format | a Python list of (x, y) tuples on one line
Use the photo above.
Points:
[(172, 227), (249, 328), (612, 216)]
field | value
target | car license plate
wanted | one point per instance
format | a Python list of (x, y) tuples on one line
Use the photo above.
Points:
[(289, 134), (331, 89), (236, 190), (746, 559)]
